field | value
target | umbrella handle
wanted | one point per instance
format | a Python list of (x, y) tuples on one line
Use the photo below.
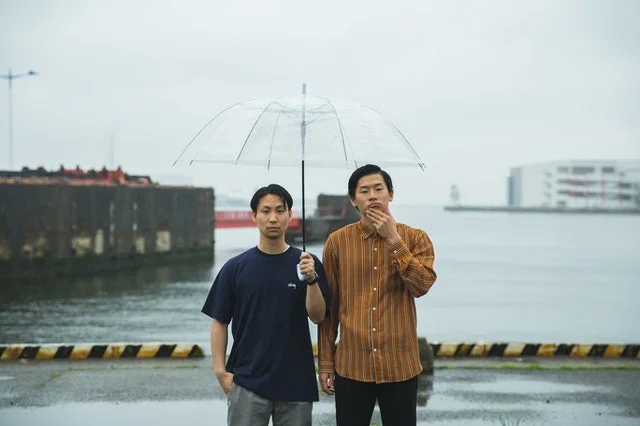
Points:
[(301, 276)]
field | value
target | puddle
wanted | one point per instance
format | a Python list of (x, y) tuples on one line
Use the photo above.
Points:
[(532, 387), (104, 414), (442, 411)]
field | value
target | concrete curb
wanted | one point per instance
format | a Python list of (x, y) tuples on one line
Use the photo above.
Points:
[(483, 349), (106, 351)]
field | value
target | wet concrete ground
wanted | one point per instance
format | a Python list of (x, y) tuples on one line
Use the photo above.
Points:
[(552, 391)]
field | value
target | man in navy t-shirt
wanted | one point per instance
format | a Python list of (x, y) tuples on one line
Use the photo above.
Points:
[(267, 293)]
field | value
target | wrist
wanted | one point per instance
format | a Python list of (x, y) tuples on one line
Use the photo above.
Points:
[(394, 240), (314, 280)]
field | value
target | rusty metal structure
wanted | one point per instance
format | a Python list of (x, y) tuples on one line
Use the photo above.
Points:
[(332, 213), (72, 221)]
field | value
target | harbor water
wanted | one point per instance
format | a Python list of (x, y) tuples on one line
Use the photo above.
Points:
[(502, 277)]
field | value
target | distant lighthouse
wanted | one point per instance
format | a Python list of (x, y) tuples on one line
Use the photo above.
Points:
[(455, 195)]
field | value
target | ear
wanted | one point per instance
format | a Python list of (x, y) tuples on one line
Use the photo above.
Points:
[(390, 195), (253, 217), (354, 204)]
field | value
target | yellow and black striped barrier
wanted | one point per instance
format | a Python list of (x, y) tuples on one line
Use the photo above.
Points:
[(482, 349), (427, 350), (105, 351)]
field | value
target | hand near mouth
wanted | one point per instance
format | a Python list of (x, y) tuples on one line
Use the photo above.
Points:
[(385, 224)]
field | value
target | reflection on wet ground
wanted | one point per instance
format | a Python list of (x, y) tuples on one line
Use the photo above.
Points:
[(425, 388), (446, 409), (167, 392)]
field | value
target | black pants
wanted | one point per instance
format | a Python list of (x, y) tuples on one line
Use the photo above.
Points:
[(355, 402)]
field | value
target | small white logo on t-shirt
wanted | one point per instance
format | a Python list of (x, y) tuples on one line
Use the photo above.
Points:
[(292, 285)]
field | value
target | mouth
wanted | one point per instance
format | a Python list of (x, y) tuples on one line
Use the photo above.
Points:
[(375, 206)]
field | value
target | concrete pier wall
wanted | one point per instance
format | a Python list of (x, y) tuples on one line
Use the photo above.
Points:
[(52, 228)]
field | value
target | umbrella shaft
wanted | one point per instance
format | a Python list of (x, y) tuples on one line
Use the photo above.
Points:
[(304, 227)]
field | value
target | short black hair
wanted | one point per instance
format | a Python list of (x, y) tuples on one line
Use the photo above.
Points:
[(272, 189), (366, 170)]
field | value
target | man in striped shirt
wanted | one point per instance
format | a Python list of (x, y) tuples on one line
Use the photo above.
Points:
[(375, 269)]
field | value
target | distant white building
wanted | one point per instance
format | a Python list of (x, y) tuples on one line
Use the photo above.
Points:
[(576, 184)]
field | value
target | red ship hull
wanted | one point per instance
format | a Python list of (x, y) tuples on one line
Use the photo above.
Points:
[(243, 219)]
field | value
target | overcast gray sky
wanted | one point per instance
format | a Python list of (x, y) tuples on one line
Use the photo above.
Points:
[(476, 86)]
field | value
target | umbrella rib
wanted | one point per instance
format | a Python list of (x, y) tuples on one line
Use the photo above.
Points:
[(201, 130), (344, 149), (251, 131), (407, 143), (273, 137), (404, 139), (291, 114), (286, 110), (420, 162)]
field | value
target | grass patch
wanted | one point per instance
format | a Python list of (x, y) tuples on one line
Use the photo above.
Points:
[(571, 367), (130, 367), (81, 369), (522, 367), (53, 376), (599, 367), (509, 422), (624, 367), (537, 367), (174, 367)]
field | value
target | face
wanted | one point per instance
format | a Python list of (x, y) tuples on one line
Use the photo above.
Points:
[(272, 217), (372, 193)]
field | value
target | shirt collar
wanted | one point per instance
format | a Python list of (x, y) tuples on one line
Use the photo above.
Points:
[(366, 232)]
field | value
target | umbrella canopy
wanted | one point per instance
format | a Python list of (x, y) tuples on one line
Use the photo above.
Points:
[(301, 130)]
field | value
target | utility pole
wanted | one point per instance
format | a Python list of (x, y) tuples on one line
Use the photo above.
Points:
[(10, 77)]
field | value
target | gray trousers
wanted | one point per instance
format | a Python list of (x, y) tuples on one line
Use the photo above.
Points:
[(245, 408)]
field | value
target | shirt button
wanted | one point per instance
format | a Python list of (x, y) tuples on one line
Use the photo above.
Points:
[(374, 349), (374, 309), (375, 288), (375, 267), (375, 249), (374, 329)]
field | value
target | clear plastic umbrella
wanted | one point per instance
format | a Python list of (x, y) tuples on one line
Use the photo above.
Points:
[(302, 130)]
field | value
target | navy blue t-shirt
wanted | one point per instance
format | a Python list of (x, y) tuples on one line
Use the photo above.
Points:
[(271, 353)]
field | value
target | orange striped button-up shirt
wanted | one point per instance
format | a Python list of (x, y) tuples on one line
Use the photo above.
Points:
[(373, 287)]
